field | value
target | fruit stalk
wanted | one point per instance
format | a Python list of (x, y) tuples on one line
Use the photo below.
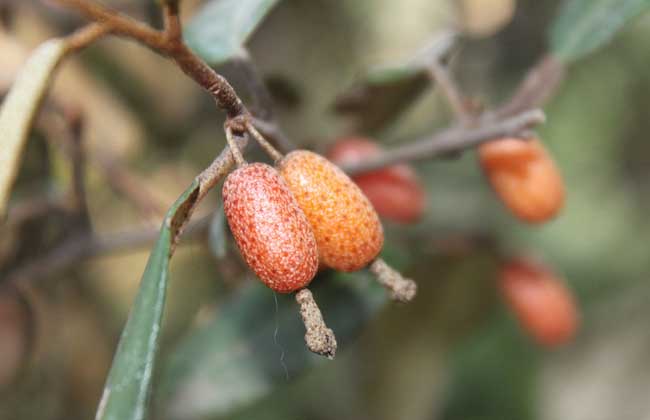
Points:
[(400, 288), (319, 338)]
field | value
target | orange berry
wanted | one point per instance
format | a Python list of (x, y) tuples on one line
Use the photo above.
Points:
[(395, 191), (540, 300), (272, 233), (347, 228), (524, 176)]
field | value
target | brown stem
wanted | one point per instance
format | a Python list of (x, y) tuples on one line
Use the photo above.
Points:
[(168, 43), (120, 179), (210, 80), (85, 36), (234, 150), (268, 148), (87, 245), (128, 185), (440, 74), (319, 338), (272, 131), (452, 140), (173, 32), (78, 159), (34, 207), (401, 289), (118, 23)]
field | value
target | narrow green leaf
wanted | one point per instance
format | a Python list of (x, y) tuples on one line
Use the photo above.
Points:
[(127, 389), (218, 31), (582, 26), (382, 95), (385, 92), (252, 346), (20, 108)]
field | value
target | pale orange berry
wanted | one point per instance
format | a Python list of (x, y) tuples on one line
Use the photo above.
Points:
[(347, 228), (524, 176)]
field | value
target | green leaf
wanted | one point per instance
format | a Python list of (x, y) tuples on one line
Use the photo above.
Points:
[(127, 389), (218, 32), (383, 95), (385, 92), (21, 107), (242, 354), (582, 26)]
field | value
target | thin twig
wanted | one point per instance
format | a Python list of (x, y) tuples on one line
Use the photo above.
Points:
[(118, 23), (59, 123), (236, 153), (78, 159), (85, 36), (172, 47), (262, 104), (87, 245), (272, 131), (34, 207), (440, 74), (452, 140), (173, 32), (128, 185), (268, 148)]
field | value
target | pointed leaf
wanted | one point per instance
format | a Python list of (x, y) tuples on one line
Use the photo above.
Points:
[(382, 96), (582, 26), (218, 31), (242, 354), (127, 389), (385, 92), (20, 108)]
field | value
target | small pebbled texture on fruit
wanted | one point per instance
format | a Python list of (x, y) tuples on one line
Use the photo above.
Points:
[(524, 176), (272, 233), (395, 192), (347, 228), (541, 301)]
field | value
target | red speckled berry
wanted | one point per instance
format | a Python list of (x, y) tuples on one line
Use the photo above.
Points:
[(347, 228), (524, 176), (271, 231), (395, 191), (541, 301)]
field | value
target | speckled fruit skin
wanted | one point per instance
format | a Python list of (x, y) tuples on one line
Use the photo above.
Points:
[(542, 303), (395, 191), (272, 233), (525, 177), (347, 228)]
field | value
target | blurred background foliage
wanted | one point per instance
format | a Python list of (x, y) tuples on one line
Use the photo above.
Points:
[(230, 350)]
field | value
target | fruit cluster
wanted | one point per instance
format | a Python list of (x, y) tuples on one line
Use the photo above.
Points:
[(306, 213), (287, 220)]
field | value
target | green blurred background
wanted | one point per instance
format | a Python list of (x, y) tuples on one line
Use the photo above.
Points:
[(455, 352)]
